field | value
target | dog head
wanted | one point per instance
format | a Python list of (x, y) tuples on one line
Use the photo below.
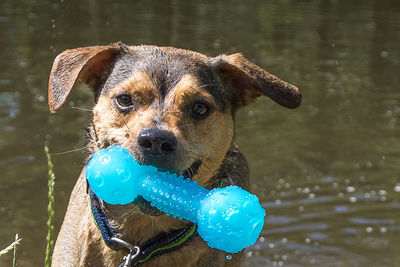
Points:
[(171, 108)]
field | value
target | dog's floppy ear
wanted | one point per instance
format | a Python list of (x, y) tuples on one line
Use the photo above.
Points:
[(87, 64), (250, 81)]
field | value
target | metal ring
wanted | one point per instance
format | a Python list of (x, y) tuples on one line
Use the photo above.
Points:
[(136, 253), (130, 257), (125, 244)]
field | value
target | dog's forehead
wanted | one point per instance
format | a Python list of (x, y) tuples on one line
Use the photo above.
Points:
[(165, 66)]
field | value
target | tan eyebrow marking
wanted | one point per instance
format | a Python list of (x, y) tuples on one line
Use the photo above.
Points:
[(188, 89), (139, 86)]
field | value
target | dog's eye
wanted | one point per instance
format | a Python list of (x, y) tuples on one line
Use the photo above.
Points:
[(124, 102), (200, 110)]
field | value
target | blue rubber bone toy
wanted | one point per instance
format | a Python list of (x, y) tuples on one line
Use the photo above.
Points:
[(228, 218)]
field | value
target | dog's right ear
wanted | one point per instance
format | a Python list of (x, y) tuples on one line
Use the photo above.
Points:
[(87, 64)]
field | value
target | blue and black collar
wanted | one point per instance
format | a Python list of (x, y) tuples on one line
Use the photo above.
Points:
[(159, 245)]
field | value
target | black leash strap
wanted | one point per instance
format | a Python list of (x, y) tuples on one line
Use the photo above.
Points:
[(164, 243)]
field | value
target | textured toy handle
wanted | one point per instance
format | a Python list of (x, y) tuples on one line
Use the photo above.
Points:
[(228, 219)]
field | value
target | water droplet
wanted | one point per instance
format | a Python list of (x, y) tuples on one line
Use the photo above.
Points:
[(307, 240), (228, 257), (369, 229), (350, 189), (352, 199), (41, 98), (384, 53), (383, 230), (397, 188)]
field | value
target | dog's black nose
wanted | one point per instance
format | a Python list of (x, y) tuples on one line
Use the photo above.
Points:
[(156, 142)]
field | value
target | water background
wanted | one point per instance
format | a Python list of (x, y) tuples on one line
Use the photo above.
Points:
[(328, 173)]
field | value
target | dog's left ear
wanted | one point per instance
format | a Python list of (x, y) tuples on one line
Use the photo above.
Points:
[(250, 81), (88, 64)]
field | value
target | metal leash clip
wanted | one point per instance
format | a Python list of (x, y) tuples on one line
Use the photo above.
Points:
[(133, 251)]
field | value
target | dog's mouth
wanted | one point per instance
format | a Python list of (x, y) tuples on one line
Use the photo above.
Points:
[(145, 206), (192, 170)]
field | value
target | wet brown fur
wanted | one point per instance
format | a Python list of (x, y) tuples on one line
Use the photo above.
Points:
[(164, 82)]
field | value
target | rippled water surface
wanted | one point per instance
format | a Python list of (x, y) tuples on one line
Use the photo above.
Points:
[(328, 173)]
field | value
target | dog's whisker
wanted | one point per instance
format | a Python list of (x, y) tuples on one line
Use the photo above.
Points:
[(206, 85), (131, 209), (203, 163), (68, 151), (121, 117), (186, 125), (191, 124), (207, 167), (173, 112), (84, 109)]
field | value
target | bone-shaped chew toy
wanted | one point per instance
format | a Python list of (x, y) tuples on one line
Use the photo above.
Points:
[(228, 218)]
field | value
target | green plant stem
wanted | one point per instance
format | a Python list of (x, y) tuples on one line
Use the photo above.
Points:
[(50, 210), (15, 250)]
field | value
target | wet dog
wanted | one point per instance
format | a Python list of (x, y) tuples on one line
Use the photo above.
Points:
[(173, 109)]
